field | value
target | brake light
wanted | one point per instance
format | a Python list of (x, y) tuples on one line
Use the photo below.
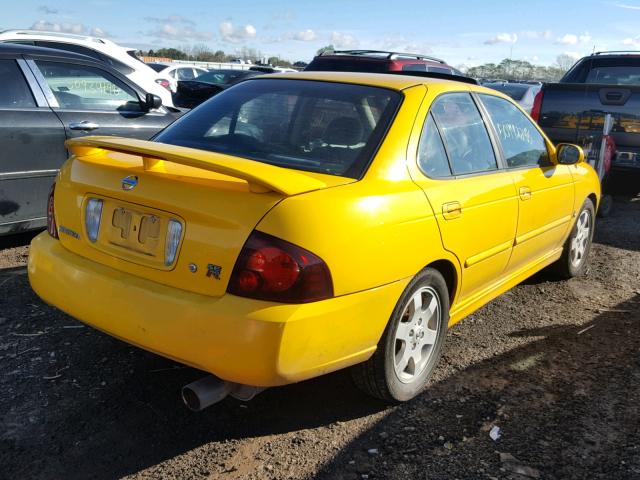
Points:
[(51, 214), (269, 268), (537, 104), (163, 82)]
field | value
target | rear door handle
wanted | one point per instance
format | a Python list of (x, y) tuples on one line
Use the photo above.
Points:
[(451, 210), (525, 193), (84, 125)]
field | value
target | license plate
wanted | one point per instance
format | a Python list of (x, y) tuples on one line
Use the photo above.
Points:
[(136, 231)]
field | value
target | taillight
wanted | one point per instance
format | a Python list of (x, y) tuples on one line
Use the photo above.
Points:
[(164, 83), (537, 104), (269, 268), (51, 214)]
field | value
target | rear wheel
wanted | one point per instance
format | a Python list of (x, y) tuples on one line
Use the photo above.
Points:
[(573, 261), (410, 347)]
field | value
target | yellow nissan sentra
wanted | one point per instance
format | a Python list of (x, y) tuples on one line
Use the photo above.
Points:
[(298, 224)]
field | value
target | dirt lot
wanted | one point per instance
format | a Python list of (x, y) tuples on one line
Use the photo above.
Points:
[(554, 365)]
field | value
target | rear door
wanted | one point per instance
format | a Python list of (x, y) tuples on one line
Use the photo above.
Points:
[(545, 191), (32, 140), (473, 198), (92, 100)]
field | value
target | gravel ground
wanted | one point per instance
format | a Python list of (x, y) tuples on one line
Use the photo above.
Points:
[(553, 365)]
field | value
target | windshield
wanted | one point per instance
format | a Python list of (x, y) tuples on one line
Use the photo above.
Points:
[(516, 92), (324, 127), (221, 77)]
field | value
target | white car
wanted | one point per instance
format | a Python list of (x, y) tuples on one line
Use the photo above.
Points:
[(169, 74), (122, 59)]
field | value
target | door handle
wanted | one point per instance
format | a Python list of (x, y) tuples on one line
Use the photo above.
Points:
[(451, 210), (85, 125), (525, 193)]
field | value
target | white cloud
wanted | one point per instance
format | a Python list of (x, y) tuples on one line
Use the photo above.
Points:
[(402, 44), (502, 38), (571, 39), (236, 34), (305, 36), (65, 27), (568, 39), (632, 41), (343, 40), (176, 27), (627, 6), (574, 55)]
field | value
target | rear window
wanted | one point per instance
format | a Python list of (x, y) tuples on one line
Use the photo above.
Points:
[(623, 70), (331, 128), (516, 92), (158, 67), (622, 75), (347, 65)]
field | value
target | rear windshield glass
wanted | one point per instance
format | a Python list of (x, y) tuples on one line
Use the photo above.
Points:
[(324, 127), (621, 75), (223, 77), (514, 91), (158, 67), (347, 65)]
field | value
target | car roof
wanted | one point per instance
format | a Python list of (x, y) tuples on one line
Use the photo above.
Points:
[(17, 49), (383, 80)]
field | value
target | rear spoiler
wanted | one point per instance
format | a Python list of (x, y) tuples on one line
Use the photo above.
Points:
[(261, 177)]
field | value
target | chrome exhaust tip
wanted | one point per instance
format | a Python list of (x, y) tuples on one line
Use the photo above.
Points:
[(208, 390)]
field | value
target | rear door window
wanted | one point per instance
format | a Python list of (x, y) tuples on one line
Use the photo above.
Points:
[(464, 133), (185, 74), (15, 92), (522, 143)]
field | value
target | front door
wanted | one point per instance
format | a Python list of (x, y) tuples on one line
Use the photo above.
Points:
[(474, 201), (545, 191), (92, 101), (32, 140)]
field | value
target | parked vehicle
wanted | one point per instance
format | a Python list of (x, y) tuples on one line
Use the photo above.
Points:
[(297, 224), (46, 97), (523, 93), (377, 61), (122, 59), (169, 74), (272, 69), (192, 93), (573, 110)]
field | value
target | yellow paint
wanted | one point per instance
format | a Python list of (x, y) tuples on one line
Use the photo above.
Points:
[(375, 234)]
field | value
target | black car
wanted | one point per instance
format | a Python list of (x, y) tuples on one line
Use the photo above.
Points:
[(192, 93), (47, 96)]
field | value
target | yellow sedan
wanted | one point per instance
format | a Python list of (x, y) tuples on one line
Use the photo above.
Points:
[(298, 224)]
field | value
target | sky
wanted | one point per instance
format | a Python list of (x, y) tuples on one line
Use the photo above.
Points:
[(462, 32)]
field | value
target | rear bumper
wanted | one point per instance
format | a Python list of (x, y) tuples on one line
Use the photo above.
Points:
[(240, 340)]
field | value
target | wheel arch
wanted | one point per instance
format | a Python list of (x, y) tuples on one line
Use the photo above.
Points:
[(448, 270)]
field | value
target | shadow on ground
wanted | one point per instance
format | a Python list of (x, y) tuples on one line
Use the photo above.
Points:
[(567, 405)]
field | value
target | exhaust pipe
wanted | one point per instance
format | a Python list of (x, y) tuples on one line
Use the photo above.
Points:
[(208, 390)]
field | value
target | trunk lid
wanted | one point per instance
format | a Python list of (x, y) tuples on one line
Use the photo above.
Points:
[(145, 186)]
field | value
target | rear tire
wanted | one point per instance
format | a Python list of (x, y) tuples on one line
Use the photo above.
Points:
[(411, 345), (606, 206), (574, 259)]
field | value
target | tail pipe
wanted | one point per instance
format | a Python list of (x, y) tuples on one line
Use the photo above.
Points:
[(208, 390)]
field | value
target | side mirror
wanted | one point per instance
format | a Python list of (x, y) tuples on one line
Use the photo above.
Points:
[(569, 154), (151, 102)]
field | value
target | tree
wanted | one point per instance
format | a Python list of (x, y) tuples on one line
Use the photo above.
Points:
[(564, 62), (327, 49)]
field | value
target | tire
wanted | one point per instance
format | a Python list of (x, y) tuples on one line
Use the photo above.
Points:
[(411, 345), (606, 206), (574, 259)]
